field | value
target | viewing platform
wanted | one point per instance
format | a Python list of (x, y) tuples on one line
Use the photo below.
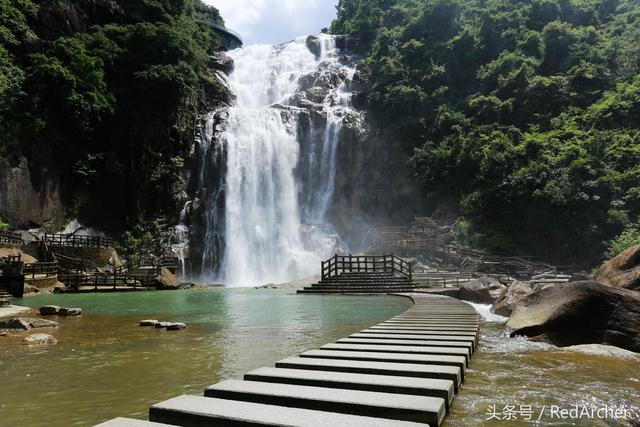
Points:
[(405, 371)]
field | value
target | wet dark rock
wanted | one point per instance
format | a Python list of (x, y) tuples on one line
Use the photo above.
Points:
[(148, 322), (49, 309), (15, 323), (314, 45), (162, 324), (70, 312), (511, 297), (580, 313), (360, 100), (176, 326), (41, 323)]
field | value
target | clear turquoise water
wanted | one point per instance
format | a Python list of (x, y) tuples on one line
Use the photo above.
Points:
[(104, 365)]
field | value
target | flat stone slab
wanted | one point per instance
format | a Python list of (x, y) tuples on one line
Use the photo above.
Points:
[(128, 422), (430, 340), (387, 332), (462, 349), (450, 326), (343, 380), (197, 411), (425, 409), (352, 353), (452, 373)]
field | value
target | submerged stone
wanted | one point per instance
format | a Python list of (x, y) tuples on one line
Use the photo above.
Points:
[(176, 326), (148, 322), (50, 309), (40, 339)]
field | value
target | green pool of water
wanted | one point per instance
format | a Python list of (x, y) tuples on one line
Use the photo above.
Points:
[(104, 365)]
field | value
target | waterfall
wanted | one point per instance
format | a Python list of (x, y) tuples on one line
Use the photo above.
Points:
[(266, 220)]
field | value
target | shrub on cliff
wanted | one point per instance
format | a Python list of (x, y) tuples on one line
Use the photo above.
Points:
[(524, 112)]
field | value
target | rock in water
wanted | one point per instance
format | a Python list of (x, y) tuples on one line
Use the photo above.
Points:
[(41, 323), (40, 339), (15, 323), (64, 311), (314, 46), (148, 322), (581, 313), (622, 271), (510, 298), (481, 291), (176, 326), (49, 309), (162, 324)]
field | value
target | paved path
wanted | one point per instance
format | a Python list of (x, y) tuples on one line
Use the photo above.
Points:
[(402, 372)]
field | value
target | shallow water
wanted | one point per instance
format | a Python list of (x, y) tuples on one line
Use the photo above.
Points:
[(517, 374), (104, 365)]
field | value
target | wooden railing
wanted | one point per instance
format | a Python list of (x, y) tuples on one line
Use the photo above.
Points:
[(10, 237), (77, 241), (47, 269), (365, 264)]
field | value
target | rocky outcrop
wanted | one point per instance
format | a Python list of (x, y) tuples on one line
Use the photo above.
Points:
[(220, 61), (510, 298), (167, 280), (481, 291), (21, 202), (622, 271), (580, 313), (314, 45)]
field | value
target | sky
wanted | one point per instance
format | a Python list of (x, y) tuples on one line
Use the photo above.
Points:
[(275, 21)]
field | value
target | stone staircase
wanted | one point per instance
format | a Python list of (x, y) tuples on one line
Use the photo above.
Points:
[(5, 298), (361, 283)]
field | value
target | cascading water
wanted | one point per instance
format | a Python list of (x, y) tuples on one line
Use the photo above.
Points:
[(266, 218)]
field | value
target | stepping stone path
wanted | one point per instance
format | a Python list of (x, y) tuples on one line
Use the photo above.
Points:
[(403, 372)]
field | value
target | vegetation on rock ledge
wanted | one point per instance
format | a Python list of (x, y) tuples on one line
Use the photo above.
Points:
[(523, 113), (104, 95)]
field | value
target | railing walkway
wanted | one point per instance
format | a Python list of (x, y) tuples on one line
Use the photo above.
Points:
[(340, 264), (10, 237), (402, 372), (77, 241)]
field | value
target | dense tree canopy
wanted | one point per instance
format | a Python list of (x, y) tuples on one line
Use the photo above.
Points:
[(524, 113), (105, 94)]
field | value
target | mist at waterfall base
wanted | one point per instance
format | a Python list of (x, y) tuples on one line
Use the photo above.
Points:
[(267, 218)]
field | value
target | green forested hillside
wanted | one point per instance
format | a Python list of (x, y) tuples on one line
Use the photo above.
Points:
[(523, 113), (104, 95)]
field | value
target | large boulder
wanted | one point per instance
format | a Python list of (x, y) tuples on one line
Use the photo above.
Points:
[(580, 313), (482, 291), (622, 271), (511, 297), (167, 280)]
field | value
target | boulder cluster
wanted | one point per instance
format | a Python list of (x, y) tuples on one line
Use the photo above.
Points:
[(605, 310), (169, 326)]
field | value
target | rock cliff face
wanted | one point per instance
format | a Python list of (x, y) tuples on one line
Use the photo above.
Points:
[(22, 203)]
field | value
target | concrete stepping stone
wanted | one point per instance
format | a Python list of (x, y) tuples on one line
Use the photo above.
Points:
[(450, 327), (384, 356), (461, 349), (197, 411), (343, 380), (430, 340), (404, 407), (128, 422), (452, 373)]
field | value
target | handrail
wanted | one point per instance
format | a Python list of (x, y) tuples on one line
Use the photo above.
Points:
[(77, 241), (340, 264), (10, 237)]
